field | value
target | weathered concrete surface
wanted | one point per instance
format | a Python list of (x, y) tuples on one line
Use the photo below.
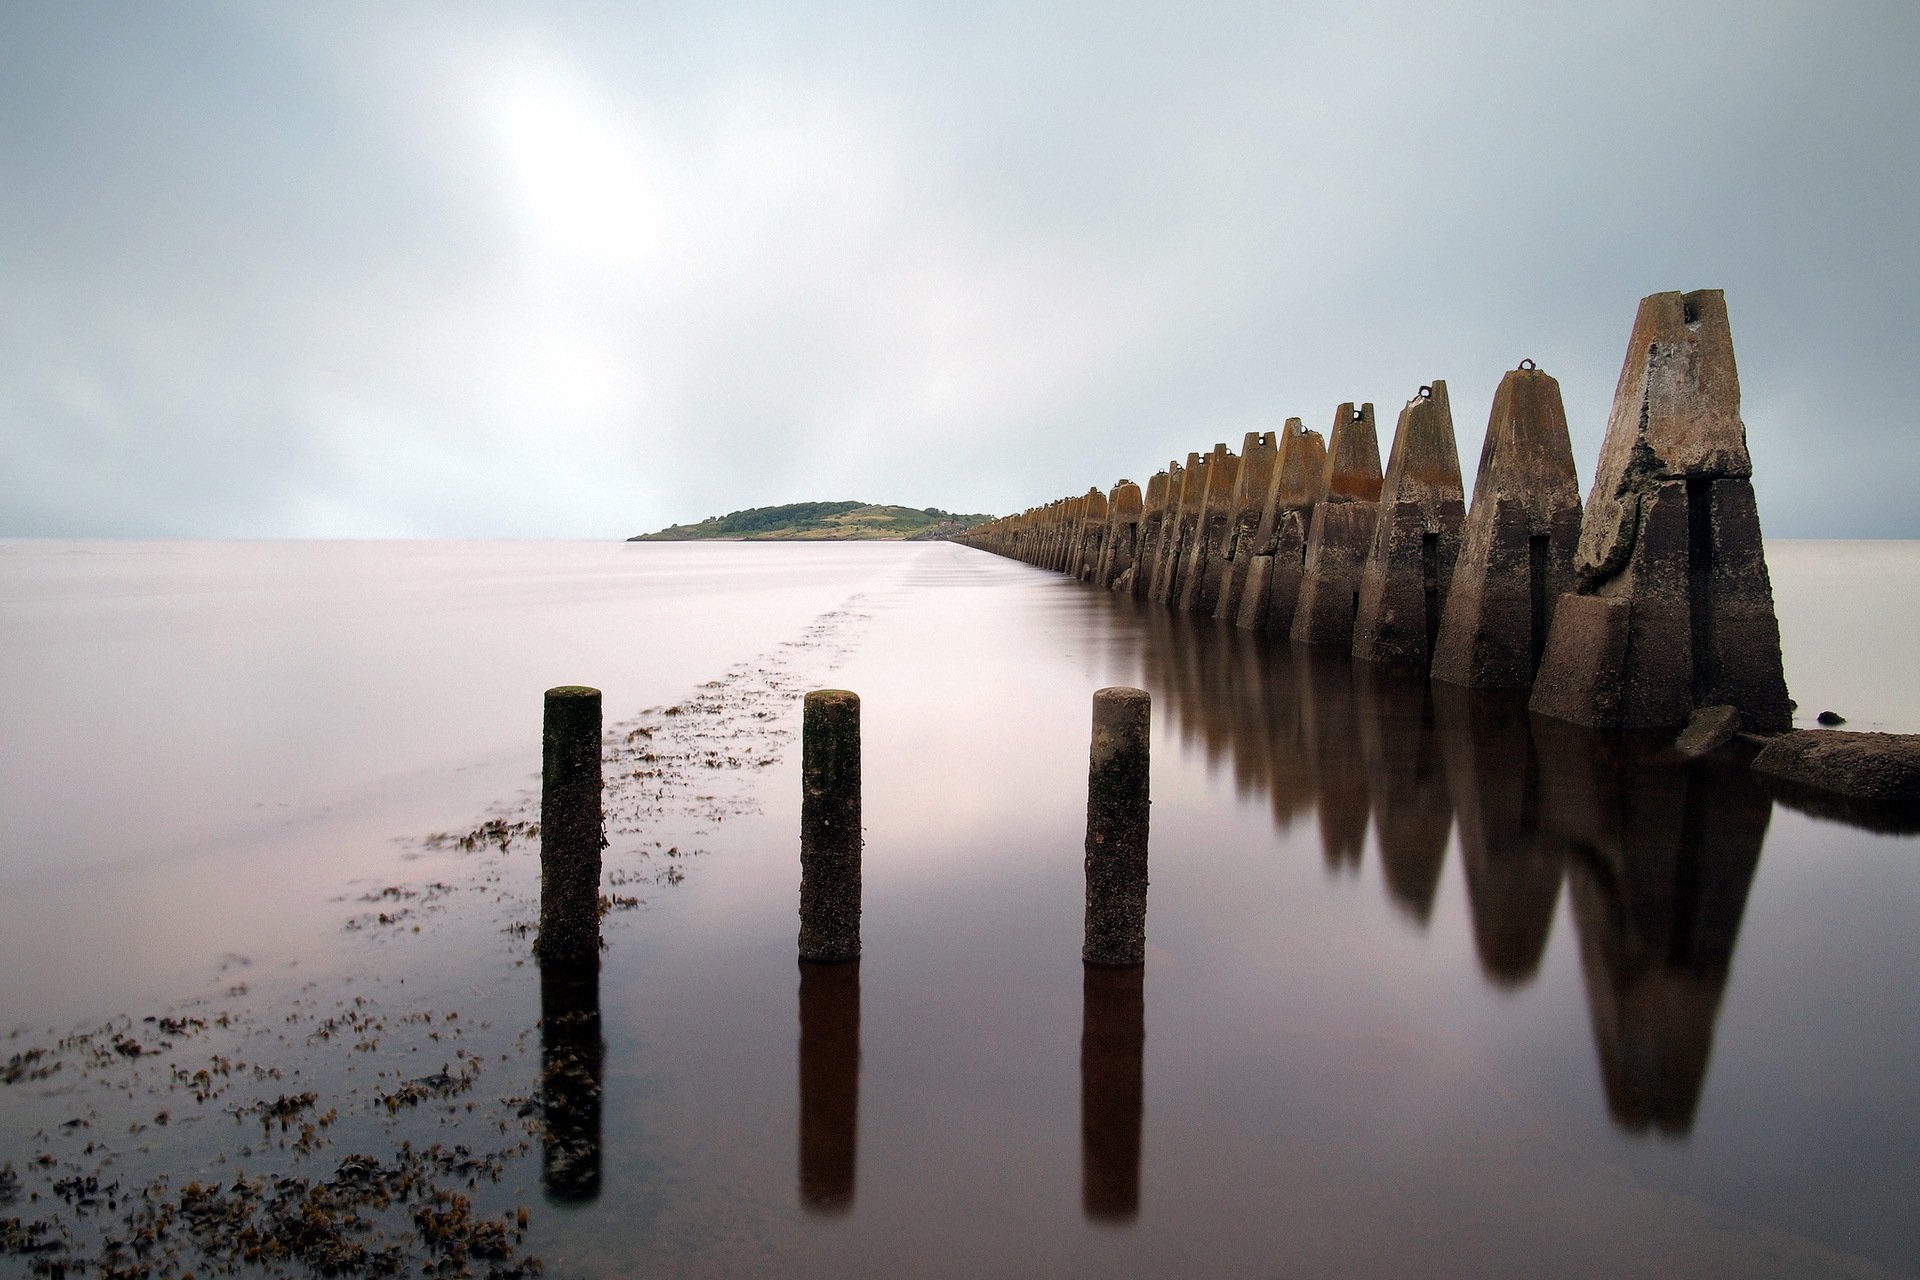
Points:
[(1200, 574), (1131, 581), (1662, 855), (1165, 522), (1710, 729), (830, 836), (1513, 867), (1279, 562), (570, 826), (1125, 507), (829, 1085), (1118, 806), (1516, 550), (1090, 536), (1183, 482), (1671, 534), (1869, 779), (1113, 1036), (1227, 570), (1330, 580), (1342, 532), (1416, 540)]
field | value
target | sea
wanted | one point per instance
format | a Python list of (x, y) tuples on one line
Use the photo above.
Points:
[(1431, 988)]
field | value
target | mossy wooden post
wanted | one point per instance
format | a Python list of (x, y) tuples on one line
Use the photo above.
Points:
[(1117, 804), (570, 827), (830, 826)]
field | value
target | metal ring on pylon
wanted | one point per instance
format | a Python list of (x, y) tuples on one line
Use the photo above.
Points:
[(1425, 393), (1528, 364)]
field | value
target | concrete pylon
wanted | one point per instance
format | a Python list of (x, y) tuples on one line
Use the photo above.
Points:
[(1516, 552), (1416, 540), (1155, 527), (1124, 510), (1228, 571), (1090, 535), (1153, 510), (1177, 534), (1673, 608), (1200, 571), (1280, 542), (1342, 531)]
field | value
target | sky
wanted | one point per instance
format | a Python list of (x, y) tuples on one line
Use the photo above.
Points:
[(581, 270)]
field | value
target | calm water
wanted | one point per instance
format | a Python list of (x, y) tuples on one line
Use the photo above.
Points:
[(1430, 990)]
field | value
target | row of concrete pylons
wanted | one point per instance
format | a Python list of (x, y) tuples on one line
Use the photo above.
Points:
[(1650, 603)]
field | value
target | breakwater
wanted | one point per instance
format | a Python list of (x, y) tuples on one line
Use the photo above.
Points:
[(1633, 610)]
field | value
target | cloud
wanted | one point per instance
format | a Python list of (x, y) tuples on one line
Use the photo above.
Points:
[(477, 270)]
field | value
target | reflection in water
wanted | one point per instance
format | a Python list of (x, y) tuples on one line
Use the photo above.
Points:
[(1412, 813), (1113, 1036), (1513, 867), (1658, 854), (829, 1083), (1662, 855), (572, 1056)]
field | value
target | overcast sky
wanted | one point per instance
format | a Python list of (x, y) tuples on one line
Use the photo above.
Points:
[(584, 269)]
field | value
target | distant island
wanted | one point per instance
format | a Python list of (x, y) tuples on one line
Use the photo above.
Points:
[(822, 522)]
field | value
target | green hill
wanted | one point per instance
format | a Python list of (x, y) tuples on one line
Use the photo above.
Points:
[(821, 522)]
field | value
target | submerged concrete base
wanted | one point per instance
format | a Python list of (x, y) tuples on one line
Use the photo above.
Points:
[(1330, 586), (1869, 779)]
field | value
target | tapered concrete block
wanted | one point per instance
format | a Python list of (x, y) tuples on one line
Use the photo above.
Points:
[(1090, 535), (1124, 510), (1586, 650), (1671, 532), (1200, 574), (1341, 534), (1297, 484), (1516, 551), (1178, 533), (1258, 453), (1163, 495), (1337, 549), (1416, 541)]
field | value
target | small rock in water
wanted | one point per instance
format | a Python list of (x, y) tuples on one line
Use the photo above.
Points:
[(1831, 718), (1710, 729)]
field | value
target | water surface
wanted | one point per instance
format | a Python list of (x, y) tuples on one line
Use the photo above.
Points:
[(1431, 988)]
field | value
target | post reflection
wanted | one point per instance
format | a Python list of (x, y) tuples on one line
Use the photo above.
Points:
[(1412, 812), (1330, 717), (1656, 854), (1662, 855), (572, 1058), (1513, 865), (1113, 1035), (829, 1084)]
